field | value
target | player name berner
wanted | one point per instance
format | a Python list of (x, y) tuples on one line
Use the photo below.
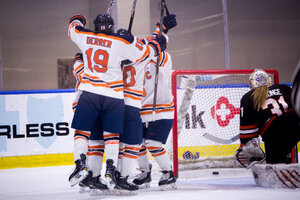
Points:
[(99, 42)]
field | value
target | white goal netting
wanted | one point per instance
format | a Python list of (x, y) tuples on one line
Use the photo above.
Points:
[(206, 124)]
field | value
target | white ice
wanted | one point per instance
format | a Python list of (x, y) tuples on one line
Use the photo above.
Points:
[(50, 183)]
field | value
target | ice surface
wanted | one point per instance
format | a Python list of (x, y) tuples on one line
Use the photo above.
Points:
[(45, 183)]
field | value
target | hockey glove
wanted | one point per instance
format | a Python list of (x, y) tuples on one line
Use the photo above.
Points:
[(250, 154), (125, 34), (169, 22), (81, 18), (159, 44)]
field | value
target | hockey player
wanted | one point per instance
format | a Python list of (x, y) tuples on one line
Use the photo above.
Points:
[(95, 141), (155, 133), (267, 111), (102, 87), (133, 76)]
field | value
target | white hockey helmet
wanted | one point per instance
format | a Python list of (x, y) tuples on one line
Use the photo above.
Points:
[(259, 78)]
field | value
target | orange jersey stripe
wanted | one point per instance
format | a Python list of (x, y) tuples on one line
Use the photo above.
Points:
[(157, 111), (147, 52), (115, 83), (95, 154), (97, 147), (111, 135), (133, 97), (131, 90), (102, 85), (130, 156), (133, 148), (153, 148), (159, 154), (158, 105), (142, 153), (112, 142), (166, 59), (83, 132), (78, 137)]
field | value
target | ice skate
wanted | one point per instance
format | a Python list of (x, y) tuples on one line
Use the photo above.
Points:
[(125, 188), (80, 171), (167, 181), (110, 175), (143, 179), (85, 183), (98, 188)]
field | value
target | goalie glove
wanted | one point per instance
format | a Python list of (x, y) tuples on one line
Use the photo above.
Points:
[(250, 154)]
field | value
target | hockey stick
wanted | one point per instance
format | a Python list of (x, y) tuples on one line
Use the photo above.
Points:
[(220, 140), (110, 6), (162, 3), (132, 15), (167, 11)]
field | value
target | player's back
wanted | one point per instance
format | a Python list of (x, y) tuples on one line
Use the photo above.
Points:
[(102, 55), (277, 102), (164, 99)]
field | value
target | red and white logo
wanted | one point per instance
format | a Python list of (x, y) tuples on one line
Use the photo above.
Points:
[(223, 111)]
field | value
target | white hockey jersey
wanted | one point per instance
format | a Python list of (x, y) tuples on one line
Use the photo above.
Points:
[(133, 77), (164, 101), (102, 55)]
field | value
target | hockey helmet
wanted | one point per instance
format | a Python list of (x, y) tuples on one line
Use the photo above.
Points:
[(259, 78), (104, 23)]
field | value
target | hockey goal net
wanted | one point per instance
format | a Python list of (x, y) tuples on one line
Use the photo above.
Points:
[(206, 122)]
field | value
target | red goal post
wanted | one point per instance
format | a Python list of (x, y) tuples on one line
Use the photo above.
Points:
[(208, 89)]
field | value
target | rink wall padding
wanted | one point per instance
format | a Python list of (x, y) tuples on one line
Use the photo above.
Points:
[(35, 128)]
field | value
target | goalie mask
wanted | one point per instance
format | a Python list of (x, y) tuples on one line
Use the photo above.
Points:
[(259, 78), (104, 24)]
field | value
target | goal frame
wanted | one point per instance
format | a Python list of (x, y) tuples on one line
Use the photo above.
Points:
[(201, 72)]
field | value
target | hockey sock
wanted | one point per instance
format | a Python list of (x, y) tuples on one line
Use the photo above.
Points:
[(111, 147), (121, 151), (81, 139), (95, 156), (129, 159), (159, 154), (143, 159)]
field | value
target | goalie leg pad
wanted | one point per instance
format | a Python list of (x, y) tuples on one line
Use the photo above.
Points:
[(277, 175)]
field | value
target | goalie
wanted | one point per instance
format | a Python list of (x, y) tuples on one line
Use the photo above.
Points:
[(267, 111)]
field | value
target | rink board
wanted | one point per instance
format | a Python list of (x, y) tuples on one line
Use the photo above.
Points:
[(35, 130)]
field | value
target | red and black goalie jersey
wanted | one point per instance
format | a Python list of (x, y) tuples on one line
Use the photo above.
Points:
[(254, 123)]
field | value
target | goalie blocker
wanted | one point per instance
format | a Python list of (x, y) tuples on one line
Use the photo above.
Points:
[(250, 153)]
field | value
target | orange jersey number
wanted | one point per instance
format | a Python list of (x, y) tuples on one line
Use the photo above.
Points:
[(128, 76), (100, 59)]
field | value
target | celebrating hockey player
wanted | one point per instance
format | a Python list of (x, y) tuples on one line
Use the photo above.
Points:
[(267, 111), (133, 76), (95, 141), (102, 88), (155, 133)]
